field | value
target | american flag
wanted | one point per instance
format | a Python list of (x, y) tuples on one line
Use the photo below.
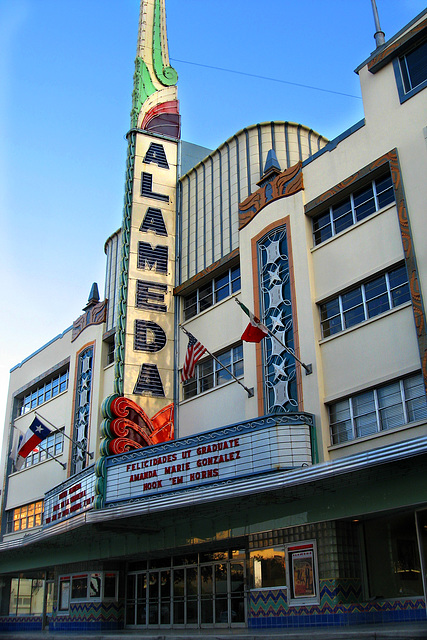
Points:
[(195, 350)]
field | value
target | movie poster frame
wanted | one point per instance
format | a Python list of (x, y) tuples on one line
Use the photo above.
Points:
[(302, 555)]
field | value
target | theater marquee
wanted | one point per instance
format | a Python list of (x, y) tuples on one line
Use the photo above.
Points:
[(260, 446)]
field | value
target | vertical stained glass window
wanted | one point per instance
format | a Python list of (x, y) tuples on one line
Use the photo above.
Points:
[(280, 386)]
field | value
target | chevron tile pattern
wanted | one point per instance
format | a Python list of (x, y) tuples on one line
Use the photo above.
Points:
[(91, 615), (340, 605)]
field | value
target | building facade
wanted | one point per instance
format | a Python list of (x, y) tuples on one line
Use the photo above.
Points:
[(283, 484)]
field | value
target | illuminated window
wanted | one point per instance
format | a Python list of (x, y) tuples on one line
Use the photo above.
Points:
[(25, 517)]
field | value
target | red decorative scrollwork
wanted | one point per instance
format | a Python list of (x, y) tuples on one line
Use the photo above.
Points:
[(133, 429)]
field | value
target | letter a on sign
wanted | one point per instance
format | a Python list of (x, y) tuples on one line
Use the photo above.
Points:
[(149, 382)]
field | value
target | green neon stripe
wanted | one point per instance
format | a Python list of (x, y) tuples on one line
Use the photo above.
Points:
[(143, 88), (166, 75)]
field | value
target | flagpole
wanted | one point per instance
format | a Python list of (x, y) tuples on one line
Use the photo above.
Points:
[(65, 436), (250, 392), (308, 367)]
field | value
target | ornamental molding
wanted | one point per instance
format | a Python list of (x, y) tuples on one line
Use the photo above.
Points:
[(285, 184), (95, 315)]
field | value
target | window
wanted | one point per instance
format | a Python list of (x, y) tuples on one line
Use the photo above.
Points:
[(268, 568), (110, 351), (365, 301), (353, 208), (51, 447), (25, 517), (212, 292), (42, 392), (413, 67), (26, 596), (210, 373), (93, 586), (391, 405)]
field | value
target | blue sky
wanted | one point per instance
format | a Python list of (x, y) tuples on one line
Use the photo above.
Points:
[(65, 96)]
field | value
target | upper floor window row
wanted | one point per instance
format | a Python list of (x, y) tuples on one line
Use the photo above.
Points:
[(212, 292), (413, 67), (44, 391), (379, 409), (353, 208), (367, 300), (210, 373)]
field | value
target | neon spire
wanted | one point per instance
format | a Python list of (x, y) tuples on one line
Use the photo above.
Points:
[(154, 98)]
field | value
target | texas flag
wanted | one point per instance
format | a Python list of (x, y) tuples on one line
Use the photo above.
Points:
[(36, 433)]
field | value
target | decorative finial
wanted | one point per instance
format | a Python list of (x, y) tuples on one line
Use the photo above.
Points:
[(93, 297)]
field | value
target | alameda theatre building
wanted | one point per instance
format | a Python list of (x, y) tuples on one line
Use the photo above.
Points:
[(282, 484)]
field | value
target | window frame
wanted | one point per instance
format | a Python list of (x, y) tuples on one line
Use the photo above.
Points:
[(278, 550), (406, 405), (43, 391), (200, 297), (68, 579), (328, 212), (209, 369), (403, 92), (33, 511), (363, 304)]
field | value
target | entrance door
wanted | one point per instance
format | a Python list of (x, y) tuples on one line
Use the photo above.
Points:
[(222, 594), (204, 595)]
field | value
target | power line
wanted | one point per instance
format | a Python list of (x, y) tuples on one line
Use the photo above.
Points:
[(252, 75)]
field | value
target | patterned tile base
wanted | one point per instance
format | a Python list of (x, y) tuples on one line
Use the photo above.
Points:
[(89, 617), (340, 605)]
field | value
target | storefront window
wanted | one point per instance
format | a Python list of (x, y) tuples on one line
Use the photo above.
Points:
[(268, 567), (26, 596), (87, 586), (392, 557)]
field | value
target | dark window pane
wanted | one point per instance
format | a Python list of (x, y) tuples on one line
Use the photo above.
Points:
[(329, 309), (385, 191), (205, 297), (342, 215), (190, 306), (222, 287), (235, 279), (376, 296), (341, 429), (364, 203), (365, 417), (415, 396), (206, 377), (416, 62), (330, 317), (190, 388), (322, 228), (351, 299)]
